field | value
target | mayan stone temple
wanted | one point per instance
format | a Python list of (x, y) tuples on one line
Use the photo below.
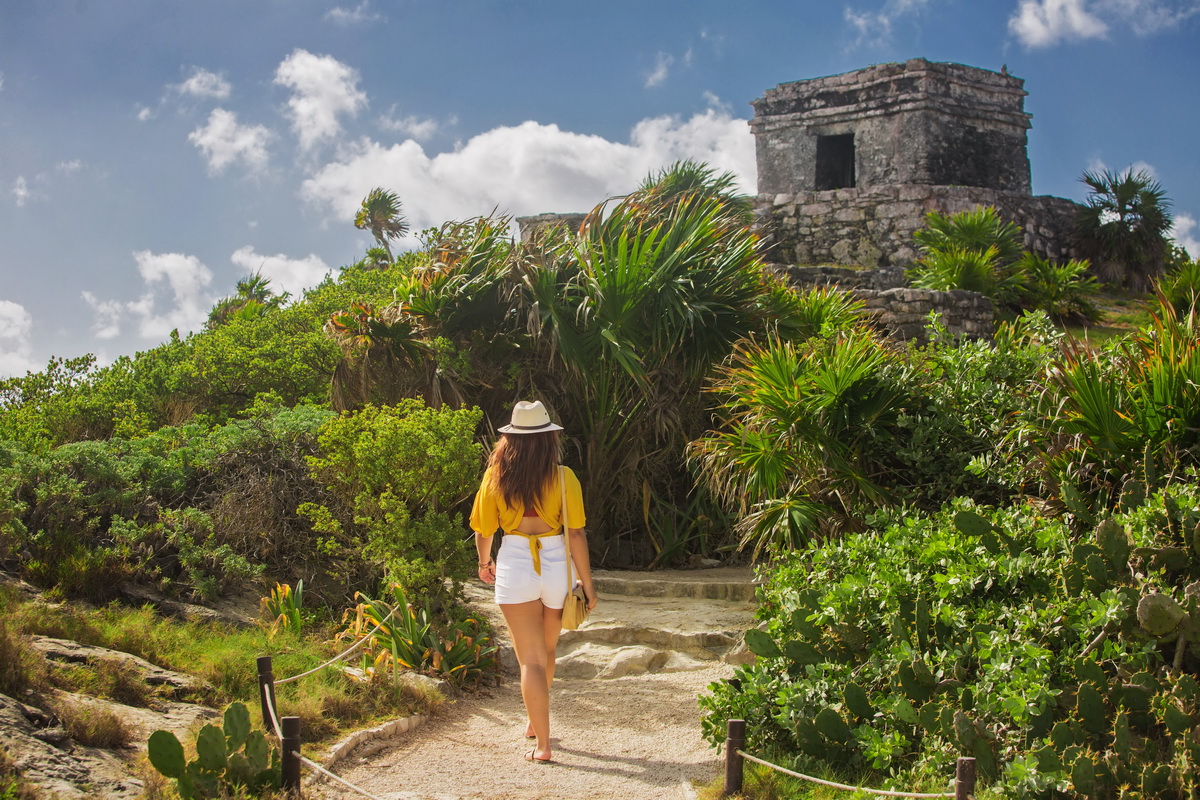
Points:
[(849, 164)]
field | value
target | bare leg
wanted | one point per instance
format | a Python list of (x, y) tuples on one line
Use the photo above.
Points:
[(552, 625), (527, 627)]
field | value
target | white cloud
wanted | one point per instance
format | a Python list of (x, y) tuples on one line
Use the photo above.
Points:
[(145, 113), (223, 142), (186, 306), (323, 89), (357, 15), (20, 190), (291, 275), (529, 168), (1041, 23), (205, 84), (662, 68), (69, 167), (1186, 233), (411, 126), (1, 81), (16, 327), (874, 28)]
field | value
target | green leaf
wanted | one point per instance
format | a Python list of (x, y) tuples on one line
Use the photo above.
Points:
[(166, 754), (972, 524)]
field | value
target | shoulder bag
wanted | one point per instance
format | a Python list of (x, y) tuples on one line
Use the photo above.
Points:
[(575, 608)]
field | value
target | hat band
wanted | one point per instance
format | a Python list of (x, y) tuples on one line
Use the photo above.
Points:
[(530, 427)]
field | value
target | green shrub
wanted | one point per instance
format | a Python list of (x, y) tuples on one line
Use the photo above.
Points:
[(1064, 290), (995, 635), (402, 472)]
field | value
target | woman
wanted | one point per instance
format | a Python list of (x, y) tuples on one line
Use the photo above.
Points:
[(521, 495)]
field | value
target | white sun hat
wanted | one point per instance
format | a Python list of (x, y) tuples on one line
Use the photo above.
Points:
[(530, 418)]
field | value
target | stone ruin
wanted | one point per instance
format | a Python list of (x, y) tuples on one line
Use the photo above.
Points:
[(848, 166)]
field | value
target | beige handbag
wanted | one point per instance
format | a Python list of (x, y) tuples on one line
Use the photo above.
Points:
[(575, 608)]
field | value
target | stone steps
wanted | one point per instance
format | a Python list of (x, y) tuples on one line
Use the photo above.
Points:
[(669, 620)]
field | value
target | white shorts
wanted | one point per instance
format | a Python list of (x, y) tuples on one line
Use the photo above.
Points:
[(516, 582)]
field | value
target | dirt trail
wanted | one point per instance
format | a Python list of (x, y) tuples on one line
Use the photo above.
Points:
[(636, 736)]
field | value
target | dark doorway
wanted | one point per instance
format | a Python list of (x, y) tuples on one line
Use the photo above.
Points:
[(835, 162)]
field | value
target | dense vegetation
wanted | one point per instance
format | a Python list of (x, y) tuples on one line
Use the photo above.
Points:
[(982, 548)]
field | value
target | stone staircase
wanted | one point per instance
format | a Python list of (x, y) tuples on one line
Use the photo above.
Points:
[(647, 622)]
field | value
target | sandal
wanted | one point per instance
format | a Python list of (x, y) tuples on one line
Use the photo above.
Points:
[(531, 756)]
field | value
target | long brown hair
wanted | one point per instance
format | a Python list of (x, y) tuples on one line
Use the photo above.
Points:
[(522, 464)]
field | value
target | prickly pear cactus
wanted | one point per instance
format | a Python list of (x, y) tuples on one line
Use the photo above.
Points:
[(1159, 615), (228, 759)]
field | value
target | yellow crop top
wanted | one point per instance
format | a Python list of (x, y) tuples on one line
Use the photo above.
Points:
[(490, 512)]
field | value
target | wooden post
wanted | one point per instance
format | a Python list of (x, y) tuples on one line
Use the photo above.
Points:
[(266, 692), (289, 743), (735, 740), (964, 779)]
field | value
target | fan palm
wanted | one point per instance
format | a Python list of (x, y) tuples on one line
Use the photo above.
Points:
[(380, 213), (1123, 228)]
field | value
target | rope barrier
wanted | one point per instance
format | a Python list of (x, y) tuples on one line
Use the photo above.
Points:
[(884, 792), (274, 717), (341, 655), (329, 774)]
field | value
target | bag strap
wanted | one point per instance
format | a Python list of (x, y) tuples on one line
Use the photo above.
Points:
[(562, 513)]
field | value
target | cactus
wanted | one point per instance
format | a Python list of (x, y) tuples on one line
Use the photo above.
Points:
[(166, 754), (1092, 712), (1083, 774), (227, 758), (922, 623), (1133, 495), (1159, 614), (1113, 541), (761, 644), (857, 702), (802, 652), (833, 727)]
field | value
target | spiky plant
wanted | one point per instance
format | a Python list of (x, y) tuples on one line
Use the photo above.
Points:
[(1123, 228)]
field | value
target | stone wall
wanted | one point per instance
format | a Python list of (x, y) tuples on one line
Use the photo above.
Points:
[(877, 280), (904, 313), (874, 227), (529, 226)]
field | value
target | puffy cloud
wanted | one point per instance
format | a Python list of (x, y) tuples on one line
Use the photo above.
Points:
[(1041, 23), (173, 280), (145, 114), (529, 168), (662, 68), (291, 275), (223, 142), (323, 89), (1186, 233), (16, 327), (20, 190), (358, 15), (205, 84), (69, 167)]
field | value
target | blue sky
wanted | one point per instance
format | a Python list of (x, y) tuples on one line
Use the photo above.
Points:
[(152, 152)]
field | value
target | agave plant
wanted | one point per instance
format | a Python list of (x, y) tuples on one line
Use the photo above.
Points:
[(790, 457), (1133, 410)]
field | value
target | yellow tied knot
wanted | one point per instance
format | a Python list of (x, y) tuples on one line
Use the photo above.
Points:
[(535, 545)]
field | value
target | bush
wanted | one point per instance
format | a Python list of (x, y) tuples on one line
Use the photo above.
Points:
[(1003, 638), (93, 725), (402, 472)]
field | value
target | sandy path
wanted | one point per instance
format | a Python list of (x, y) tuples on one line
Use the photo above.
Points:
[(634, 737)]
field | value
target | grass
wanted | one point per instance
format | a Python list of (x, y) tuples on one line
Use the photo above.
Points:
[(329, 703), (93, 725), (762, 783), (11, 785)]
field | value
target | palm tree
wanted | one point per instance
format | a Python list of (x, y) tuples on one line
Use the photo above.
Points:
[(254, 298), (381, 215), (1123, 228)]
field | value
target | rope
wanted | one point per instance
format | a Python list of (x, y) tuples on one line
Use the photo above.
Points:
[(341, 655), (329, 774), (274, 717), (884, 792)]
